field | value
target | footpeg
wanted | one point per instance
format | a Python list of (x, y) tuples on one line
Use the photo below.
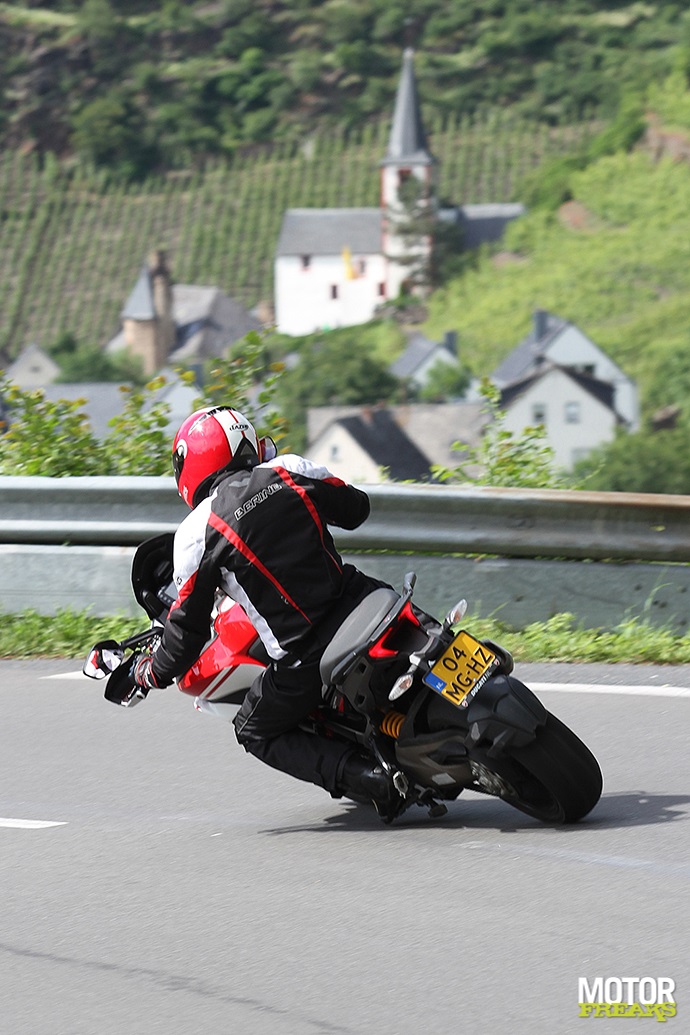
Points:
[(436, 810)]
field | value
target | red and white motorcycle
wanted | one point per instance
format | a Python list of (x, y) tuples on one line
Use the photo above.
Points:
[(438, 708)]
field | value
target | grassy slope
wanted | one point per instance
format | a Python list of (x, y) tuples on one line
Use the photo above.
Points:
[(616, 262)]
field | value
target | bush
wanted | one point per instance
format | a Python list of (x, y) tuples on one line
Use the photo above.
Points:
[(502, 458), (55, 439)]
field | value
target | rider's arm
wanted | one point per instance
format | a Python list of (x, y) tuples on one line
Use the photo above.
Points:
[(340, 504), (189, 621)]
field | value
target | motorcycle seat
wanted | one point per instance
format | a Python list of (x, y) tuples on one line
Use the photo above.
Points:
[(357, 630)]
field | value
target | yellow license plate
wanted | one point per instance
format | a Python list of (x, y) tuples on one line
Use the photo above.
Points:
[(462, 669)]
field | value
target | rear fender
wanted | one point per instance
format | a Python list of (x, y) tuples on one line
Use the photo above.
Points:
[(505, 714)]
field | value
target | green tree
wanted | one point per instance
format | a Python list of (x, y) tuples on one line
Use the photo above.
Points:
[(445, 381), (415, 225), (111, 132), (334, 368), (139, 442), (248, 380), (83, 363), (98, 23), (645, 461)]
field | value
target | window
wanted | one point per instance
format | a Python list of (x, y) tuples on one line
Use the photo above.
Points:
[(539, 413), (382, 290), (572, 412), (361, 267), (306, 262), (334, 291)]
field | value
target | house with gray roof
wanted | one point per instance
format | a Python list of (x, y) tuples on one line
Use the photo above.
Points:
[(164, 322), (334, 267), (32, 367), (557, 342), (421, 355), (103, 400), (346, 438), (576, 410), (369, 446)]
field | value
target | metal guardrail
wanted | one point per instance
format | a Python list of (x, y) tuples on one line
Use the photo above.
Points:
[(526, 523), (98, 511), (122, 511)]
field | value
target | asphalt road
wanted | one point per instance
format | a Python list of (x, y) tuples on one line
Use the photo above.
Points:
[(189, 889)]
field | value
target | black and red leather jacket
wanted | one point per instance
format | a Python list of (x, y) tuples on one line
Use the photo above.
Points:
[(262, 537)]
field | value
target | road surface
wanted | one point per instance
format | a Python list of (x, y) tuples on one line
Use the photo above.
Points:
[(158, 880)]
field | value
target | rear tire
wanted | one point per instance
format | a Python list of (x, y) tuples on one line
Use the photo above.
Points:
[(555, 778)]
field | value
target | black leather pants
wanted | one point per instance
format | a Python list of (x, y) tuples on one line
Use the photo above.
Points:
[(266, 725)]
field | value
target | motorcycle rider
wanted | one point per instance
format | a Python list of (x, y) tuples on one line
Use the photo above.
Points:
[(259, 532)]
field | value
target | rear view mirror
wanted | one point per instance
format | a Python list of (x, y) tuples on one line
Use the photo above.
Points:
[(102, 659)]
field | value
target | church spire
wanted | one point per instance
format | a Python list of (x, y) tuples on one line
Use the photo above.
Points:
[(407, 144), (408, 194)]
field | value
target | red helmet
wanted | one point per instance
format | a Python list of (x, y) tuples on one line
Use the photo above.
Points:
[(211, 440)]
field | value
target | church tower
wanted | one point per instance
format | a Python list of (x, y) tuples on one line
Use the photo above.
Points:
[(408, 195)]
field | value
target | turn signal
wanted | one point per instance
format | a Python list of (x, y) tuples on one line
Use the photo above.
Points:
[(456, 613), (401, 684)]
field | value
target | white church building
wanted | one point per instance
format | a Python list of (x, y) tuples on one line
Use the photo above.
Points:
[(334, 266)]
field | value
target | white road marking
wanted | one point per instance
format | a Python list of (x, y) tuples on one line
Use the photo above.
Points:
[(612, 688), (579, 688), (66, 675), (30, 824)]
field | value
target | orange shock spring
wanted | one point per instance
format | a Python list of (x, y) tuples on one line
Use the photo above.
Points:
[(391, 724)]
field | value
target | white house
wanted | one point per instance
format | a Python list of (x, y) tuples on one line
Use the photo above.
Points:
[(363, 445), (334, 266), (577, 410), (164, 322), (556, 341), (358, 442), (329, 269), (32, 368), (422, 355)]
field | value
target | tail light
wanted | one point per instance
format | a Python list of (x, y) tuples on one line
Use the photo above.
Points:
[(402, 635)]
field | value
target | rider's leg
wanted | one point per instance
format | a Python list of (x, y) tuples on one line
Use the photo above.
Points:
[(266, 726)]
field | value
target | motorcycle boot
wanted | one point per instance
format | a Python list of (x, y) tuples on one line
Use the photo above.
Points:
[(366, 781)]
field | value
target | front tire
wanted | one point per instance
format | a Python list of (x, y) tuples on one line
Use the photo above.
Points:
[(555, 778)]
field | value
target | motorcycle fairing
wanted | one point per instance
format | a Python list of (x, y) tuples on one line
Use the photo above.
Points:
[(230, 662)]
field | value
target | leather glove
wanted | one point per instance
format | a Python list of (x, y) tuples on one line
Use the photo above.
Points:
[(141, 672)]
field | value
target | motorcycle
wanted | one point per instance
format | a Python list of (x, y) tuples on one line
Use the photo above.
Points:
[(437, 708)]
